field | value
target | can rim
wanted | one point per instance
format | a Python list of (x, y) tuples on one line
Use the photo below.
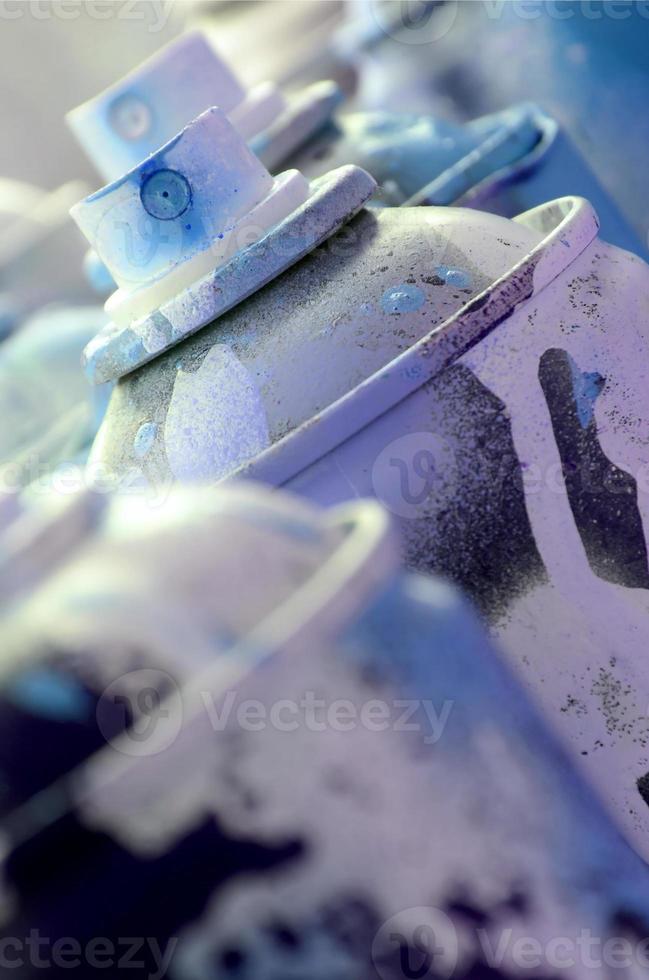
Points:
[(569, 225)]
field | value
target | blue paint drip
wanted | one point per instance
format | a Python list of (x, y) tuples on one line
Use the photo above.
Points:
[(586, 386), (144, 439), (50, 694), (402, 299), (454, 277)]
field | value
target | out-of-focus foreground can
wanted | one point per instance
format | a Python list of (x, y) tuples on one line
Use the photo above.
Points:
[(234, 728), (51, 414)]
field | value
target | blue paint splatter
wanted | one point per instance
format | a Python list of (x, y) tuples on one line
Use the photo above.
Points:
[(144, 439), (454, 277), (402, 299), (50, 694), (586, 386)]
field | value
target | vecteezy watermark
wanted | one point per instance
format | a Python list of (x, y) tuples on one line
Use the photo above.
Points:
[(138, 244), (417, 22), (416, 943), (153, 14), (144, 244), (411, 470), (566, 9), (414, 21), (339, 715), (151, 707), (68, 477), (421, 471), (425, 943), (145, 954)]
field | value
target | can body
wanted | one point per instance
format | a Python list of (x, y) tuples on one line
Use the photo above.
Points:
[(515, 464)]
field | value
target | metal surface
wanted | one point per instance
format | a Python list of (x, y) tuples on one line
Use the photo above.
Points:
[(467, 371)]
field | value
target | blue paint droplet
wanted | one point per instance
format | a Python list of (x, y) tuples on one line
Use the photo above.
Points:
[(586, 386), (402, 299), (454, 277), (144, 439)]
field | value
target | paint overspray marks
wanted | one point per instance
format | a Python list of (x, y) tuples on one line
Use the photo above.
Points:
[(403, 299), (643, 787), (208, 437)]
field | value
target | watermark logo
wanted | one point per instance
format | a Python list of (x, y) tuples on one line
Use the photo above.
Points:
[(412, 469), (424, 943), (146, 706), (414, 21), (68, 478), (145, 954), (154, 15), (152, 709), (416, 943)]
